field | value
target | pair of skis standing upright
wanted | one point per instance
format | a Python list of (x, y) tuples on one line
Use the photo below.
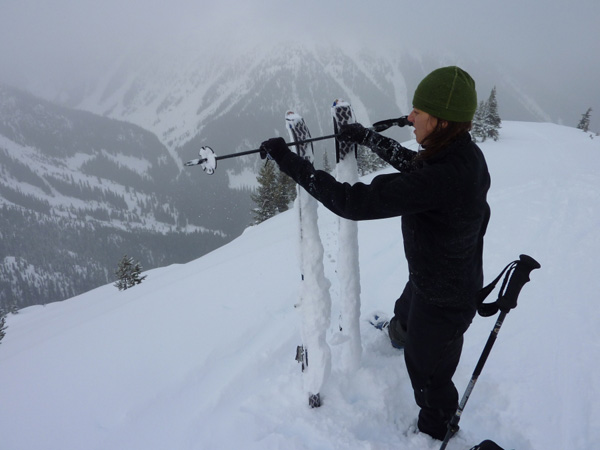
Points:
[(315, 301)]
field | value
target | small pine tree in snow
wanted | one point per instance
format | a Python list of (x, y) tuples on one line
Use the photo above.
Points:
[(286, 193), (492, 118), (2, 324), (368, 161), (584, 123), (128, 273), (478, 129), (486, 121), (266, 194), (326, 164), (274, 194)]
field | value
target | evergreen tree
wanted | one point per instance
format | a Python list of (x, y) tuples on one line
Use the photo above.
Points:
[(478, 130), (128, 273), (584, 123), (2, 324), (326, 164), (286, 192), (270, 196), (368, 161), (486, 121), (492, 118)]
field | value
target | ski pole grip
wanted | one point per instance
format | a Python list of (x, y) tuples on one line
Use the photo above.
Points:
[(519, 277), (383, 125)]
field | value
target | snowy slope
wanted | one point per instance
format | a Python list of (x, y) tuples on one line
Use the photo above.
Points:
[(201, 355)]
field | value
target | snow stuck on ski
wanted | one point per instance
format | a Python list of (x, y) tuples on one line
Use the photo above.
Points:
[(315, 301), (348, 270)]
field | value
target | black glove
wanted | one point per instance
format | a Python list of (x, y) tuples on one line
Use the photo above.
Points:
[(353, 133), (274, 148)]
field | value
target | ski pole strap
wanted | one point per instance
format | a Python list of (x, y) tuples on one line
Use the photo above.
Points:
[(517, 274)]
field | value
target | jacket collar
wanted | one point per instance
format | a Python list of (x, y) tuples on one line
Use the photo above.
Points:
[(460, 142)]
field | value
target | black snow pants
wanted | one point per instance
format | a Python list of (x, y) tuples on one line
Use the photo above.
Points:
[(434, 340)]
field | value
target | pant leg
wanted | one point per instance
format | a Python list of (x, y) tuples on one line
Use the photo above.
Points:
[(402, 306), (432, 352)]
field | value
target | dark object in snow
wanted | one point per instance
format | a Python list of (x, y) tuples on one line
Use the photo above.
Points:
[(487, 445)]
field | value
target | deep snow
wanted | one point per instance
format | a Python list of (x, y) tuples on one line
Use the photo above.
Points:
[(201, 355)]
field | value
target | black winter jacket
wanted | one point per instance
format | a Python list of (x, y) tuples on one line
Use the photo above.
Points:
[(442, 203)]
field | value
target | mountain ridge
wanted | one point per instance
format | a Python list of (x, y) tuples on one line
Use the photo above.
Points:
[(113, 153), (78, 190)]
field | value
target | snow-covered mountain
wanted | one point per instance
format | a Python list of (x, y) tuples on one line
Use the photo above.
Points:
[(78, 191), (233, 99), (128, 178), (201, 355)]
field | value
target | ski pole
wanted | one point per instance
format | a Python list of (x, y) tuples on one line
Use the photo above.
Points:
[(208, 159), (507, 300)]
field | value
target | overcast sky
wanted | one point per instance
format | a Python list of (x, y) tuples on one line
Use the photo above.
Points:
[(552, 39)]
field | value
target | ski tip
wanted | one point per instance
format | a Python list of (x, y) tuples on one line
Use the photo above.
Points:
[(339, 102), (292, 117)]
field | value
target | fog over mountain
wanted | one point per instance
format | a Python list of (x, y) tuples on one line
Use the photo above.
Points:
[(101, 103), (61, 49)]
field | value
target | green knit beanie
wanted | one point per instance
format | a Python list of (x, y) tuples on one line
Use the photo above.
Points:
[(447, 93)]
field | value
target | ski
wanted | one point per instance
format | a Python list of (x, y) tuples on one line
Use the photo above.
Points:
[(348, 265), (315, 303), (342, 114)]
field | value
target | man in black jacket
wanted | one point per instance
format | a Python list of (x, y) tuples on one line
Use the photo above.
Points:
[(440, 192)]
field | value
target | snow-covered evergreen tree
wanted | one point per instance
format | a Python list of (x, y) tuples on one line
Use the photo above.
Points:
[(266, 195), (275, 193), (368, 161), (326, 164), (584, 123), (492, 118), (287, 192), (486, 121), (478, 130), (2, 324), (128, 273)]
